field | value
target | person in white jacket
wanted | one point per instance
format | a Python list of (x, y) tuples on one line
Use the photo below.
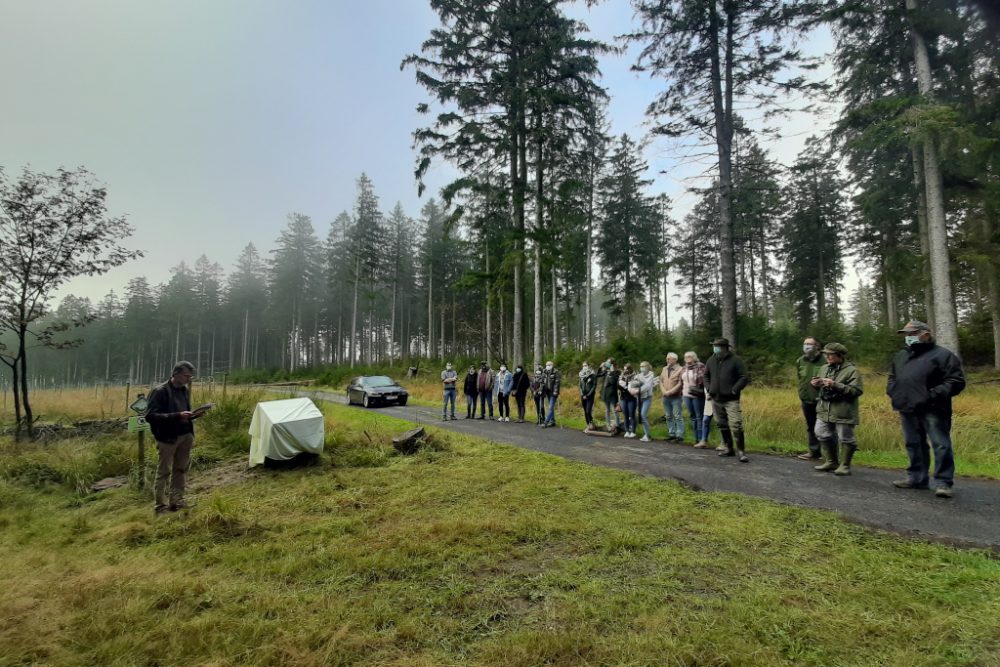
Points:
[(648, 382)]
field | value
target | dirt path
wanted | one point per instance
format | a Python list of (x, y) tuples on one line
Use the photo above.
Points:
[(971, 518)]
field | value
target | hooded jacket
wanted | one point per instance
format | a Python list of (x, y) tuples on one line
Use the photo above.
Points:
[(609, 393), (648, 380), (806, 368), (924, 378), (838, 403)]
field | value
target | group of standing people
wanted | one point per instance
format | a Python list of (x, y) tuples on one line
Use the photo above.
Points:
[(923, 380), (484, 388)]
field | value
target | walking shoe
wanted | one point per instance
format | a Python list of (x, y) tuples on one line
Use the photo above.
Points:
[(444, 418), (179, 505), (908, 484), (644, 438), (701, 445), (809, 456), (720, 448), (161, 509), (743, 457), (727, 452), (944, 492)]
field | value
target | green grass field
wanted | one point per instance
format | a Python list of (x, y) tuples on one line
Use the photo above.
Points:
[(468, 553)]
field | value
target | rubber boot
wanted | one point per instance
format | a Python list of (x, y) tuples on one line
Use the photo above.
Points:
[(727, 440), (848, 453), (832, 462), (741, 447)]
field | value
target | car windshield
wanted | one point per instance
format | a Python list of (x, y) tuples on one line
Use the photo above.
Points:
[(379, 381)]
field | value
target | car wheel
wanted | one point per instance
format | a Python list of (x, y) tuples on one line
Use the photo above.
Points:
[(349, 401), (402, 401), (365, 401)]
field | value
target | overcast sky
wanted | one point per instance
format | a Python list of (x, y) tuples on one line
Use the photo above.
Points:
[(211, 120)]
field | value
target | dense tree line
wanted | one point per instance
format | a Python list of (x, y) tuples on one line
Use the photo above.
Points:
[(553, 237)]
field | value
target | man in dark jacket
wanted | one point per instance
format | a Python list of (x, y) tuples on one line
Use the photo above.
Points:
[(922, 381), (471, 392), (725, 378), (484, 385), (171, 422), (806, 368)]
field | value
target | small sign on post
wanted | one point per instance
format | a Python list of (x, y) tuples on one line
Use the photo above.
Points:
[(140, 426)]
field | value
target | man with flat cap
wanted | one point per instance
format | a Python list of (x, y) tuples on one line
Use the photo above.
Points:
[(725, 378), (923, 379), (839, 385)]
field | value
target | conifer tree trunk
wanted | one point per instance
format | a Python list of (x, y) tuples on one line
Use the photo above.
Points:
[(918, 184), (555, 314), (354, 313), (946, 329), (723, 104)]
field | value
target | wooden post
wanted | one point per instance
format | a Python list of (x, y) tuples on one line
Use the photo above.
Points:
[(225, 382), (128, 387), (142, 459)]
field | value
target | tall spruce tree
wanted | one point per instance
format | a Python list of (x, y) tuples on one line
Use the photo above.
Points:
[(719, 56)]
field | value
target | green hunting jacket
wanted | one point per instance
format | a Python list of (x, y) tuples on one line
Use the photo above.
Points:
[(808, 369), (838, 404)]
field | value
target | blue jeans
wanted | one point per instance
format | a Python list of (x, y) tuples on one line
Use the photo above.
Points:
[(675, 418), (470, 405), (918, 427), (485, 398), (644, 404), (706, 425), (696, 411), (629, 404), (449, 395), (551, 419)]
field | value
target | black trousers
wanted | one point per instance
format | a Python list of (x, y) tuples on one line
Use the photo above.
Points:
[(588, 408), (504, 400), (809, 411), (485, 398), (540, 407), (520, 406)]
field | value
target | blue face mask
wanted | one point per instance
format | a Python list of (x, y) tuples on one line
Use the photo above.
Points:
[(716, 349), (911, 340)]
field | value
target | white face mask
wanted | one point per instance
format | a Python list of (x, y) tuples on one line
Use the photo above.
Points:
[(644, 369), (503, 368), (911, 340), (448, 367), (549, 367), (716, 349), (586, 368), (807, 348)]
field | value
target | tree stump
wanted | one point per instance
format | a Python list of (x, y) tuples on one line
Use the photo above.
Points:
[(410, 441)]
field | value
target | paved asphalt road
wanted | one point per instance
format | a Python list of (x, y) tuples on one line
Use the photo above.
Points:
[(971, 518)]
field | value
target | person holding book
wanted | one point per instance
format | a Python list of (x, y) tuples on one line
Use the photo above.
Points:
[(171, 421)]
